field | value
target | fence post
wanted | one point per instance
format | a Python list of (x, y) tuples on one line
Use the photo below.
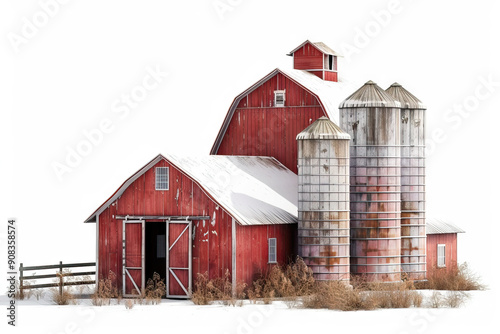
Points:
[(21, 293), (60, 279)]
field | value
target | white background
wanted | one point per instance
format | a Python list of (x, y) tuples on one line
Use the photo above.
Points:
[(65, 79)]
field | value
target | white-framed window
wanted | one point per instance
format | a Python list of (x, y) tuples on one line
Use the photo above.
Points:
[(279, 98), (441, 255), (272, 258), (161, 178)]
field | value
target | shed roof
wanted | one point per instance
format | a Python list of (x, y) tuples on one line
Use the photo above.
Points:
[(328, 93), (407, 99), (254, 190), (439, 226), (322, 47), (370, 95), (323, 128)]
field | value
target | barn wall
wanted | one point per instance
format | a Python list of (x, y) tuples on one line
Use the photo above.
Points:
[(450, 240), (212, 242), (331, 76), (259, 129), (307, 58), (252, 249)]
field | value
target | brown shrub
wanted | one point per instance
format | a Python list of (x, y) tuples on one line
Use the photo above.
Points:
[(338, 295), (105, 290), (294, 280), (218, 289), (460, 278)]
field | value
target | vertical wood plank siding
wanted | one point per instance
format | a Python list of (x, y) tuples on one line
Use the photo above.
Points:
[(257, 128), (212, 243)]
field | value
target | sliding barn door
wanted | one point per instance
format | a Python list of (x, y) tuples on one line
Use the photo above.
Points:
[(133, 257), (179, 259)]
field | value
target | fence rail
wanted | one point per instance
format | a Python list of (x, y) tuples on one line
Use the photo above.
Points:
[(60, 275)]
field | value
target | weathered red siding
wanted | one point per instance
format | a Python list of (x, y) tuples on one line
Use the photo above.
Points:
[(331, 76), (212, 241), (259, 129), (252, 249), (307, 58), (450, 240)]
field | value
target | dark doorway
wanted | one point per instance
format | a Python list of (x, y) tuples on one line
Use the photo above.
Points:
[(156, 249)]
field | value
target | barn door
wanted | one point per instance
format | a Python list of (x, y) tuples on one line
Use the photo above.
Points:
[(179, 259), (133, 257)]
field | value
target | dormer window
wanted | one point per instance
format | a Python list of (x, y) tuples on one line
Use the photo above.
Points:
[(279, 98), (330, 62)]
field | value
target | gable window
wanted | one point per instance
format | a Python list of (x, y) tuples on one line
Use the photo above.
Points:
[(279, 98), (161, 178), (330, 62), (272, 250), (441, 255)]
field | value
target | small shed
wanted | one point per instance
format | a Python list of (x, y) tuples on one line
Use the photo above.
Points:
[(183, 216), (441, 244)]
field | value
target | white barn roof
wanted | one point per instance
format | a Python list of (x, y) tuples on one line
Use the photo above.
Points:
[(254, 190), (439, 226)]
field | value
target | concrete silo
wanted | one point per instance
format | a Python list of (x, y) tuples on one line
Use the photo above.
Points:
[(412, 132), (372, 118), (323, 224)]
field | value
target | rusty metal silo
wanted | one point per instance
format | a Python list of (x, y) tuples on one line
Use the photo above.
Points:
[(372, 118), (323, 224), (412, 132)]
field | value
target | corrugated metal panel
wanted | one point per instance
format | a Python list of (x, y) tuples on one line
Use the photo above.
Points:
[(323, 128), (323, 229), (439, 226), (407, 99), (370, 95), (254, 190), (412, 133)]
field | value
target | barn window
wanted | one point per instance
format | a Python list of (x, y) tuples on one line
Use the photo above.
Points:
[(161, 178), (160, 246), (279, 98), (272, 250), (441, 256)]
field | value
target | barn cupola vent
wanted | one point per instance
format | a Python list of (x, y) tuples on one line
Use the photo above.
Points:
[(316, 58)]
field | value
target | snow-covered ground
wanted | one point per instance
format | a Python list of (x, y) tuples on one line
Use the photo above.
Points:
[(478, 315)]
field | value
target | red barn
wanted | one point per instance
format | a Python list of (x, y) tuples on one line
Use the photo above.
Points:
[(183, 216), (265, 118), (441, 244)]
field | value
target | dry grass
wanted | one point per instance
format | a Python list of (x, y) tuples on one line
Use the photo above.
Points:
[(460, 278), (62, 296), (105, 290), (455, 298), (155, 289), (336, 295), (218, 289), (294, 280)]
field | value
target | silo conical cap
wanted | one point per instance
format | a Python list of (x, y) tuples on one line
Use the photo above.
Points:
[(370, 95), (323, 128), (407, 99)]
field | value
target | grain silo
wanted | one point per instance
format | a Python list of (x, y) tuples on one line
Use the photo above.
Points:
[(412, 132), (323, 203), (372, 118)]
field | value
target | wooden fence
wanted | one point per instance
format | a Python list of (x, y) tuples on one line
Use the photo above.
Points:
[(60, 275)]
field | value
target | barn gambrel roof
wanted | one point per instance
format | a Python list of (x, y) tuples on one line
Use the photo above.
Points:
[(328, 93), (253, 190)]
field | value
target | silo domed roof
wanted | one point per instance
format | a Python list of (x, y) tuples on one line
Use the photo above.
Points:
[(323, 128), (407, 99), (370, 95)]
